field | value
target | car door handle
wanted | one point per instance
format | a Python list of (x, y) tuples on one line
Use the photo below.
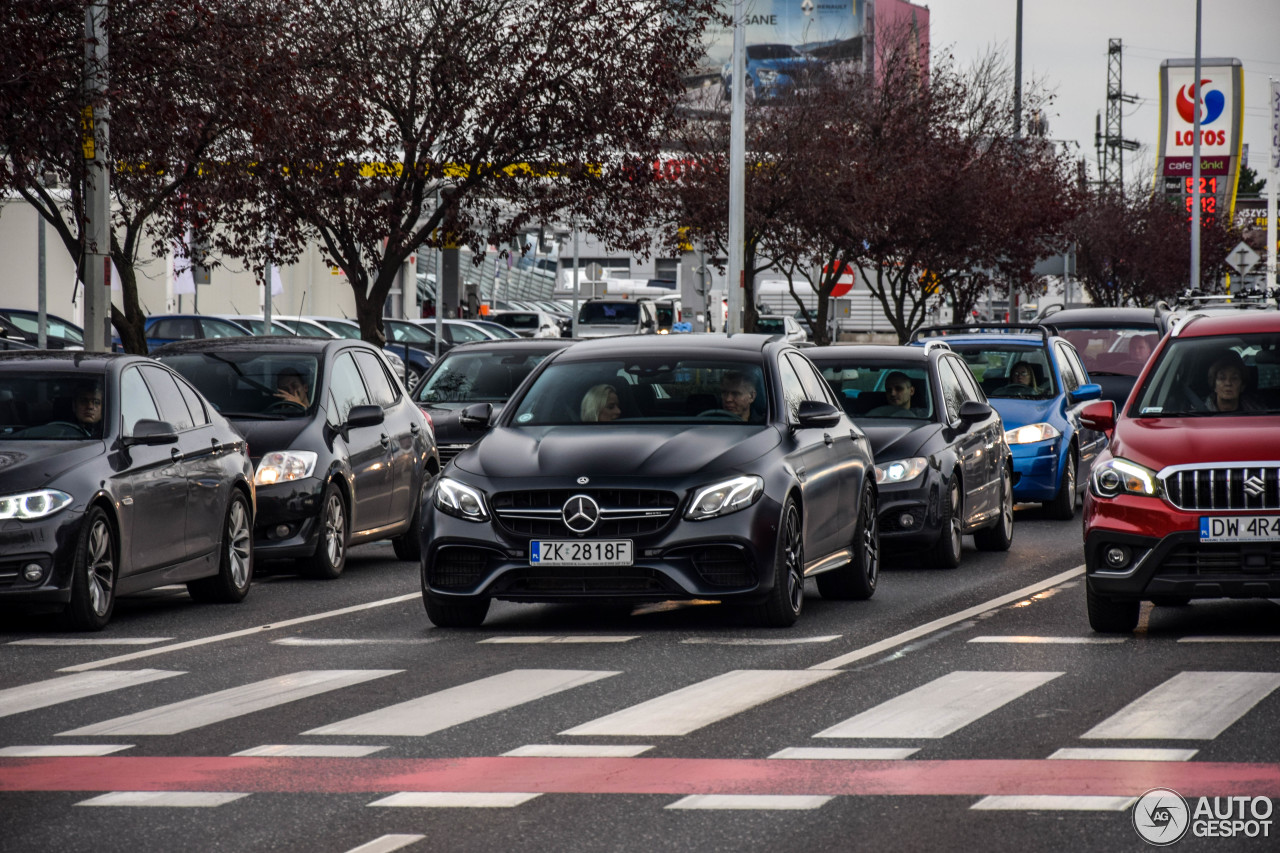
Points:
[(415, 429), (384, 440), (175, 454)]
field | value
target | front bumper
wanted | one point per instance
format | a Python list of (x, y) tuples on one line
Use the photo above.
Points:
[(1037, 470), (287, 523), (910, 515), (51, 543)]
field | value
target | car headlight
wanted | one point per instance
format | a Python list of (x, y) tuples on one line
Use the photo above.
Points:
[(32, 505), (901, 470), (724, 498), (1114, 476), (766, 76), (1031, 433), (281, 466), (460, 500)]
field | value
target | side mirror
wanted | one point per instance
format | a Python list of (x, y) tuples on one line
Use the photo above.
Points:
[(476, 417), (362, 416), (1086, 392), (1100, 416), (971, 411), (148, 431), (812, 413), (648, 324)]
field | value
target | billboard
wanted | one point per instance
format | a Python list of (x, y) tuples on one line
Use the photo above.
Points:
[(1219, 98)]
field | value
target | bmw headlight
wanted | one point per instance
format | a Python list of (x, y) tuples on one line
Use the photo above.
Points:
[(1031, 433), (724, 498), (31, 505), (901, 470), (460, 500), (1114, 476), (281, 466)]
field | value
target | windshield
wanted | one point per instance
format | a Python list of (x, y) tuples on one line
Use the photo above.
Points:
[(267, 385), (1009, 370), (652, 390), (343, 330), (400, 332), (1201, 376), (771, 51), (53, 326), (52, 406), (609, 313), (473, 377), (880, 390), (1115, 350)]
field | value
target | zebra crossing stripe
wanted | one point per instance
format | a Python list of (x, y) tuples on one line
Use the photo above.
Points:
[(579, 750), (570, 640), (743, 802), (942, 706), (454, 800), (64, 749), (846, 753), (236, 702), (1053, 803), (311, 750), (690, 708), (1103, 753), (169, 799), (464, 703), (42, 694), (1189, 706), (387, 843)]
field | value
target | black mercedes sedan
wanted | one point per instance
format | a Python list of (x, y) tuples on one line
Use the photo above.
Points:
[(480, 372), (341, 455), (654, 468), (116, 476), (942, 464)]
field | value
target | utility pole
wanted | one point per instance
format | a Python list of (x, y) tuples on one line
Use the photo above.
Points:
[(96, 265), (1112, 145), (1195, 168), (737, 172)]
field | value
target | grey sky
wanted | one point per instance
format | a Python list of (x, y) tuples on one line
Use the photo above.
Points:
[(1064, 42)]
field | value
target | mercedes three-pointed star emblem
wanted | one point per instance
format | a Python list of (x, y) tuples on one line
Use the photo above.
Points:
[(580, 513)]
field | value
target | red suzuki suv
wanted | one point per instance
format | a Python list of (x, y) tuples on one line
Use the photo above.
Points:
[(1185, 501)]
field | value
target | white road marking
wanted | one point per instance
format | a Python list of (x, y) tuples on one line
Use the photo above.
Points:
[(387, 843), (759, 641), (751, 802), (942, 706), (170, 799), (231, 635), (844, 753), (1189, 706), (1104, 753), (568, 639), (1053, 803), (1084, 641), (1269, 639), (310, 750), (690, 708), (235, 702), (89, 641), (42, 694), (578, 750), (322, 641), (461, 704), (62, 750), (454, 800), (937, 624)]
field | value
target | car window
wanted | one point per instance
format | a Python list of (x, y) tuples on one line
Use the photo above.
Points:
[(136, 402), (471, 377), (30, 323), (346, 388), (169, 400), (793, 392), (968, 385), (609, 313), (461, 334), (995, 364), (815, 387), (42, 406), (953, 395), (1184, 379), (195, 405), (402, 332), (381, 390), (214, 328), (343, 330), (180, 328)]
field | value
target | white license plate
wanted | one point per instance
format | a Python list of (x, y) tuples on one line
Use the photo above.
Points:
[(1240, 528), (580, 553)]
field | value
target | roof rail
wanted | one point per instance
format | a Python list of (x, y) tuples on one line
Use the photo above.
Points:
[(1180, 323), (1042, 329), (936, 344)]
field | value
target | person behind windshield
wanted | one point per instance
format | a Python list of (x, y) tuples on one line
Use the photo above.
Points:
[(291, 387), (1227, 387), (900, 393), (1140, 348), (88, 408), (600, 405), (1023, 375), (737, 393)]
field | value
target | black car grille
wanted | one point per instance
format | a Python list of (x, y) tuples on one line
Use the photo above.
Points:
[(723, 566), (458, 567), (448, 451), (1226, 487), (574, 580), (623, 512), (1210, 558)]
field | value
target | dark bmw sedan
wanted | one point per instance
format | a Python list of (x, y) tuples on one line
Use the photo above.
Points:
[(116, 477), (341, 456), (654, 468), (481, 372), (942, 464)]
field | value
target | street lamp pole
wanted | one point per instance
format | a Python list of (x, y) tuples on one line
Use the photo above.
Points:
[(737, 171), (97, 190), (1195, 167)]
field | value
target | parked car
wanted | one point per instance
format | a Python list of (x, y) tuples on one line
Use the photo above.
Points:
[(646, 469), (528, 324), (341, 455), (166, 328), (457, 331), (257, 325), (1185, 502), (783, 325), (483, 372), (59, 333), (1113, 343), (942, 465), (773, 71), (497, 330), (409, 361), (118, 478), (1052, 450), (306, 328), (599, 318)]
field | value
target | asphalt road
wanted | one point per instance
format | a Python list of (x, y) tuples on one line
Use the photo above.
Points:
[(964, 709)]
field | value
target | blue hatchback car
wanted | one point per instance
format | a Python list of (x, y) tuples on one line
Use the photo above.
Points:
[(773, 71), (1038, 384)]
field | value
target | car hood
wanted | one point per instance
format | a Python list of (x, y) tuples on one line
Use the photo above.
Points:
[(616, 451), (604, 331), (1159, 442), (29, 465), (1015, 412), (900, 439), (266, 436)]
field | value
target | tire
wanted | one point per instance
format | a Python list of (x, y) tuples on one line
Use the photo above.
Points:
[(408, 545), (1171, 600), (330, 557), (414, 375), (946, 553), (94, 571), (856, 580), (786, 599), (235, 557), (451, 613), (1063, 505), (999, 536), (1108, 616)]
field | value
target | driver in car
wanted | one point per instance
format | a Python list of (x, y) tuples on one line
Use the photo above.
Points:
[(88, 408), (1023, 375), (900, 393), (737, 393), (291, 387)]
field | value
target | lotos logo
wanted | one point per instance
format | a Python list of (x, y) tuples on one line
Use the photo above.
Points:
[(1211, 101)]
